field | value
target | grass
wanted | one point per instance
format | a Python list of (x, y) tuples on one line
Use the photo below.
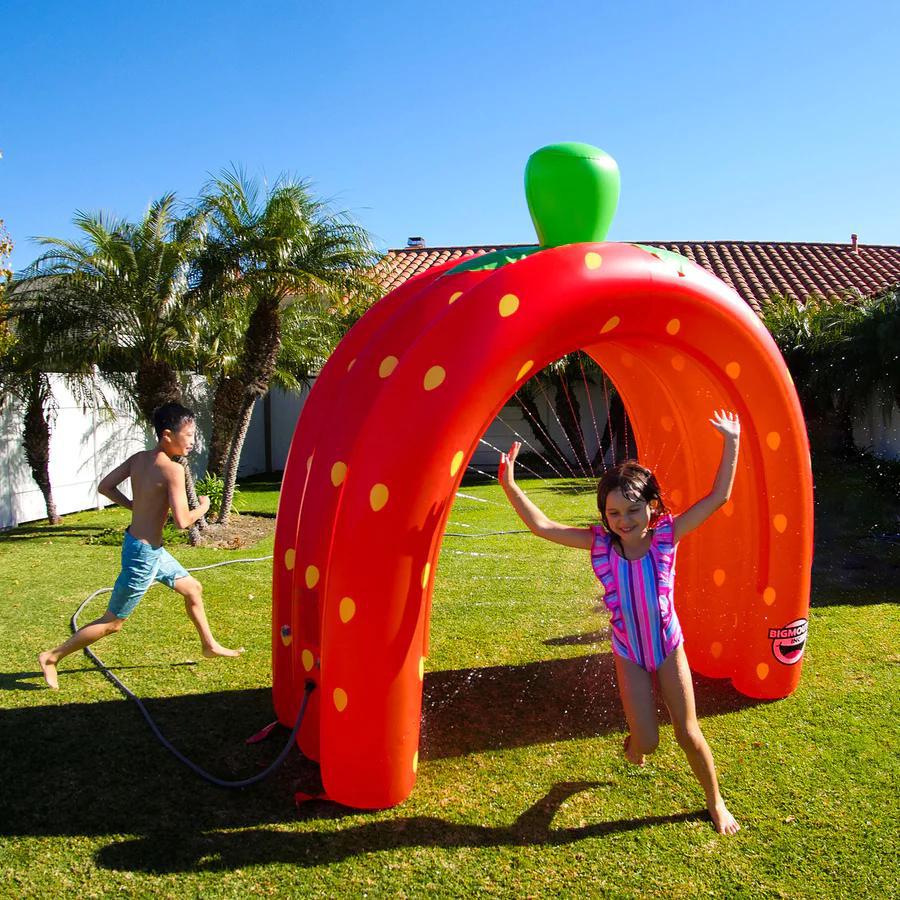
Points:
[(522, 788)]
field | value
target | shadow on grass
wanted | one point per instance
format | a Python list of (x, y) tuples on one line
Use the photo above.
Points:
[(94, 768), (35, 532), (33, 680), (551, 700), (161, 853)]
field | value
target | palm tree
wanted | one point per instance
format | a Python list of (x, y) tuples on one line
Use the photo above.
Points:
[(125, 291), (34, 349), (271, 248), (120, 298)]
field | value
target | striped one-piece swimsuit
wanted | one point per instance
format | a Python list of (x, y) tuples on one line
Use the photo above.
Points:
[(639, 594)]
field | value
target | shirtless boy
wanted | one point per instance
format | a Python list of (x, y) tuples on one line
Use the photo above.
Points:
[(157, 483)]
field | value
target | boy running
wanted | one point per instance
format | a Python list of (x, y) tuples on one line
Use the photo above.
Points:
[(157, 484)]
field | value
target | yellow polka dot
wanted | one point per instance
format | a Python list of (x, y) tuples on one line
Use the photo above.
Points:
[(780, 523), (425, 572), (678, 362), (762, 671), (421, 668), (456, 462), (434, 377), (733, 369), (311, 576), (286, 636), (340, 699), (456, 296), (350, 364), (593, 260), (289, 557), (673, 326), (719, 577), (338, 473), (773, 440), (307, 659), (676, 496), (509, 303), (716, 649), (378, 496), (728, 508), (609, 324), (388, 364), (347, 609), (526, 367), (667, 422), (769, 596), (415, 761)]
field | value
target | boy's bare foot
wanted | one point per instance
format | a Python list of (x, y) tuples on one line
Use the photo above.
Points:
[(724, 821), (218, 650), (49, 670), (636, 759)]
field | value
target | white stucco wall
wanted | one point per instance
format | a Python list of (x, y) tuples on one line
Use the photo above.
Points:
[(87, 444)]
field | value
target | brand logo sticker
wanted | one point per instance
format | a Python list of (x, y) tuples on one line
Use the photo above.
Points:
[(789, 641)]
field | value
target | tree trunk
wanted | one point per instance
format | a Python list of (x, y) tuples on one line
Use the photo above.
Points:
[(234, 458), (261, 346), (36, 442), (156, 383), (568, 412), (193, 502), (225, 412)]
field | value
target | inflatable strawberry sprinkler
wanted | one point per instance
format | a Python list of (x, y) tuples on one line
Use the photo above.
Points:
[(385, 436)]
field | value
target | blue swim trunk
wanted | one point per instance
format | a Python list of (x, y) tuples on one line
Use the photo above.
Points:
[(141, 566)]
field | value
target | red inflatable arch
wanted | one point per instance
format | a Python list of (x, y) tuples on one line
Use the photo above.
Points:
[(359, 531)]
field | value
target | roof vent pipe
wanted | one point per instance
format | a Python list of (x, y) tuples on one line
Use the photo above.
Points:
[(854, 243), (417, 242)]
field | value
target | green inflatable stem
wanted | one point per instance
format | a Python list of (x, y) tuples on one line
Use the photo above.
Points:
[(572, 191)]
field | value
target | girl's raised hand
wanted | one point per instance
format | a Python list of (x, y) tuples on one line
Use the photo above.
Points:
[(726, 423), (506, 471)]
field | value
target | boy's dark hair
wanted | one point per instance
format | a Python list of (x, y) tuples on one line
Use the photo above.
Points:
[(635, 482), (171, 416)]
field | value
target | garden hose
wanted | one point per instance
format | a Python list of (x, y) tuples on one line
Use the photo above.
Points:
[(244, 782), (207, 776)]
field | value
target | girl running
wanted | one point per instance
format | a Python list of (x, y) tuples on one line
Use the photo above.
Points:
[(633, 555)]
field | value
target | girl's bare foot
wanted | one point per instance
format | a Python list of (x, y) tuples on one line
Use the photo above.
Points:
[(218, 650), (49, 669), (724, 821), (636, 759)]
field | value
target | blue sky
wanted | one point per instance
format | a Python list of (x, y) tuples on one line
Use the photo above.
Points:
[(745, 121)]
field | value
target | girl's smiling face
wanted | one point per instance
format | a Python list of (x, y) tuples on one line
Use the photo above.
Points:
[(630, 519)]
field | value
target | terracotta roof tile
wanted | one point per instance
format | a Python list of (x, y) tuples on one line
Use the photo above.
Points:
[(755, 269)]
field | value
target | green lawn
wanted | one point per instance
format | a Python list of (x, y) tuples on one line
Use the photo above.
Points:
[(522, 789)]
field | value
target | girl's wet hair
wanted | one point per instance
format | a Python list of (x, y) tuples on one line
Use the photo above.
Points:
[(636, 484)]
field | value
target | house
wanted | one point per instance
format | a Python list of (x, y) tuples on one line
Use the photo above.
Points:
[(756, 270)]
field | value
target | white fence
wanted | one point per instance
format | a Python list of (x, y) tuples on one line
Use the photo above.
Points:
[(86, 444)]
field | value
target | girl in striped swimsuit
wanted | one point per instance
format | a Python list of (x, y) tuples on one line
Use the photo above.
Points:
[(633, 555)]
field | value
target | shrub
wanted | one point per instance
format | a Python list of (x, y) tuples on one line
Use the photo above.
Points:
[(213, 486)]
